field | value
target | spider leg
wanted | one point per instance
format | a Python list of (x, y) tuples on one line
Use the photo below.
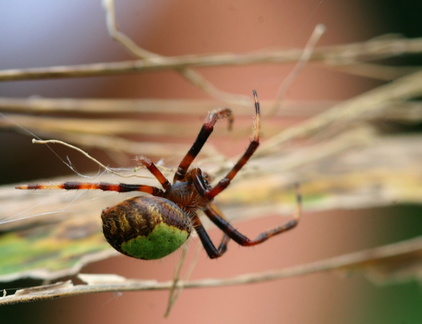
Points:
[(74, 185), (253, 145), (212, 251), (120, 187), (225, 239), (203, 135), (241, 239), (154, 171)]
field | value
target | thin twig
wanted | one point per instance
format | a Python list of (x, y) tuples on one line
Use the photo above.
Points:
[(106, 168), (167, 107), (304, 58), (175, 290), (394, 111)]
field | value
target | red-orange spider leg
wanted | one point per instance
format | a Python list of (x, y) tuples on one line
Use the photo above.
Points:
[(223, 183), (203, 135), (74, 185), (206, 241), (154, 171), (218, 219), (253, 145)]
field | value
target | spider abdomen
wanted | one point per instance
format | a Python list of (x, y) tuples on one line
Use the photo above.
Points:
[(146, 227)]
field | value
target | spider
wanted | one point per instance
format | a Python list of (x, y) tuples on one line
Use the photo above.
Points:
[(151, 227)]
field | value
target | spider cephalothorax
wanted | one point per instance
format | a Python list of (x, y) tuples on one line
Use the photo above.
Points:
[(151, 227)]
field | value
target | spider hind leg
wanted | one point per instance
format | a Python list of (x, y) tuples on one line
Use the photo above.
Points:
[(230, 232)]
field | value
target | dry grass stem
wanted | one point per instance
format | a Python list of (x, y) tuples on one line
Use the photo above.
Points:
[(339, 56), (304, 58)]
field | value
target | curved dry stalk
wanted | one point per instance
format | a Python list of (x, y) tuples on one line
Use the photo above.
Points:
[(304, 58), (189, 74)]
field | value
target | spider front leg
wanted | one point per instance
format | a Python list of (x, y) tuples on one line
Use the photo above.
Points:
[(203, 135), (253, 145)]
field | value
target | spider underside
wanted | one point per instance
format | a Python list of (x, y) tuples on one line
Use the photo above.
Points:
[(151, 227)]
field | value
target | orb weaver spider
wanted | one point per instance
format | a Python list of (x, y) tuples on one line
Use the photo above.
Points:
[(151, 227)]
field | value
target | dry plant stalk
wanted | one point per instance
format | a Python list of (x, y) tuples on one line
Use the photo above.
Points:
[(348, 58)]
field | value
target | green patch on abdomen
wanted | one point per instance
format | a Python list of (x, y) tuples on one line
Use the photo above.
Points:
[(162, 241)]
